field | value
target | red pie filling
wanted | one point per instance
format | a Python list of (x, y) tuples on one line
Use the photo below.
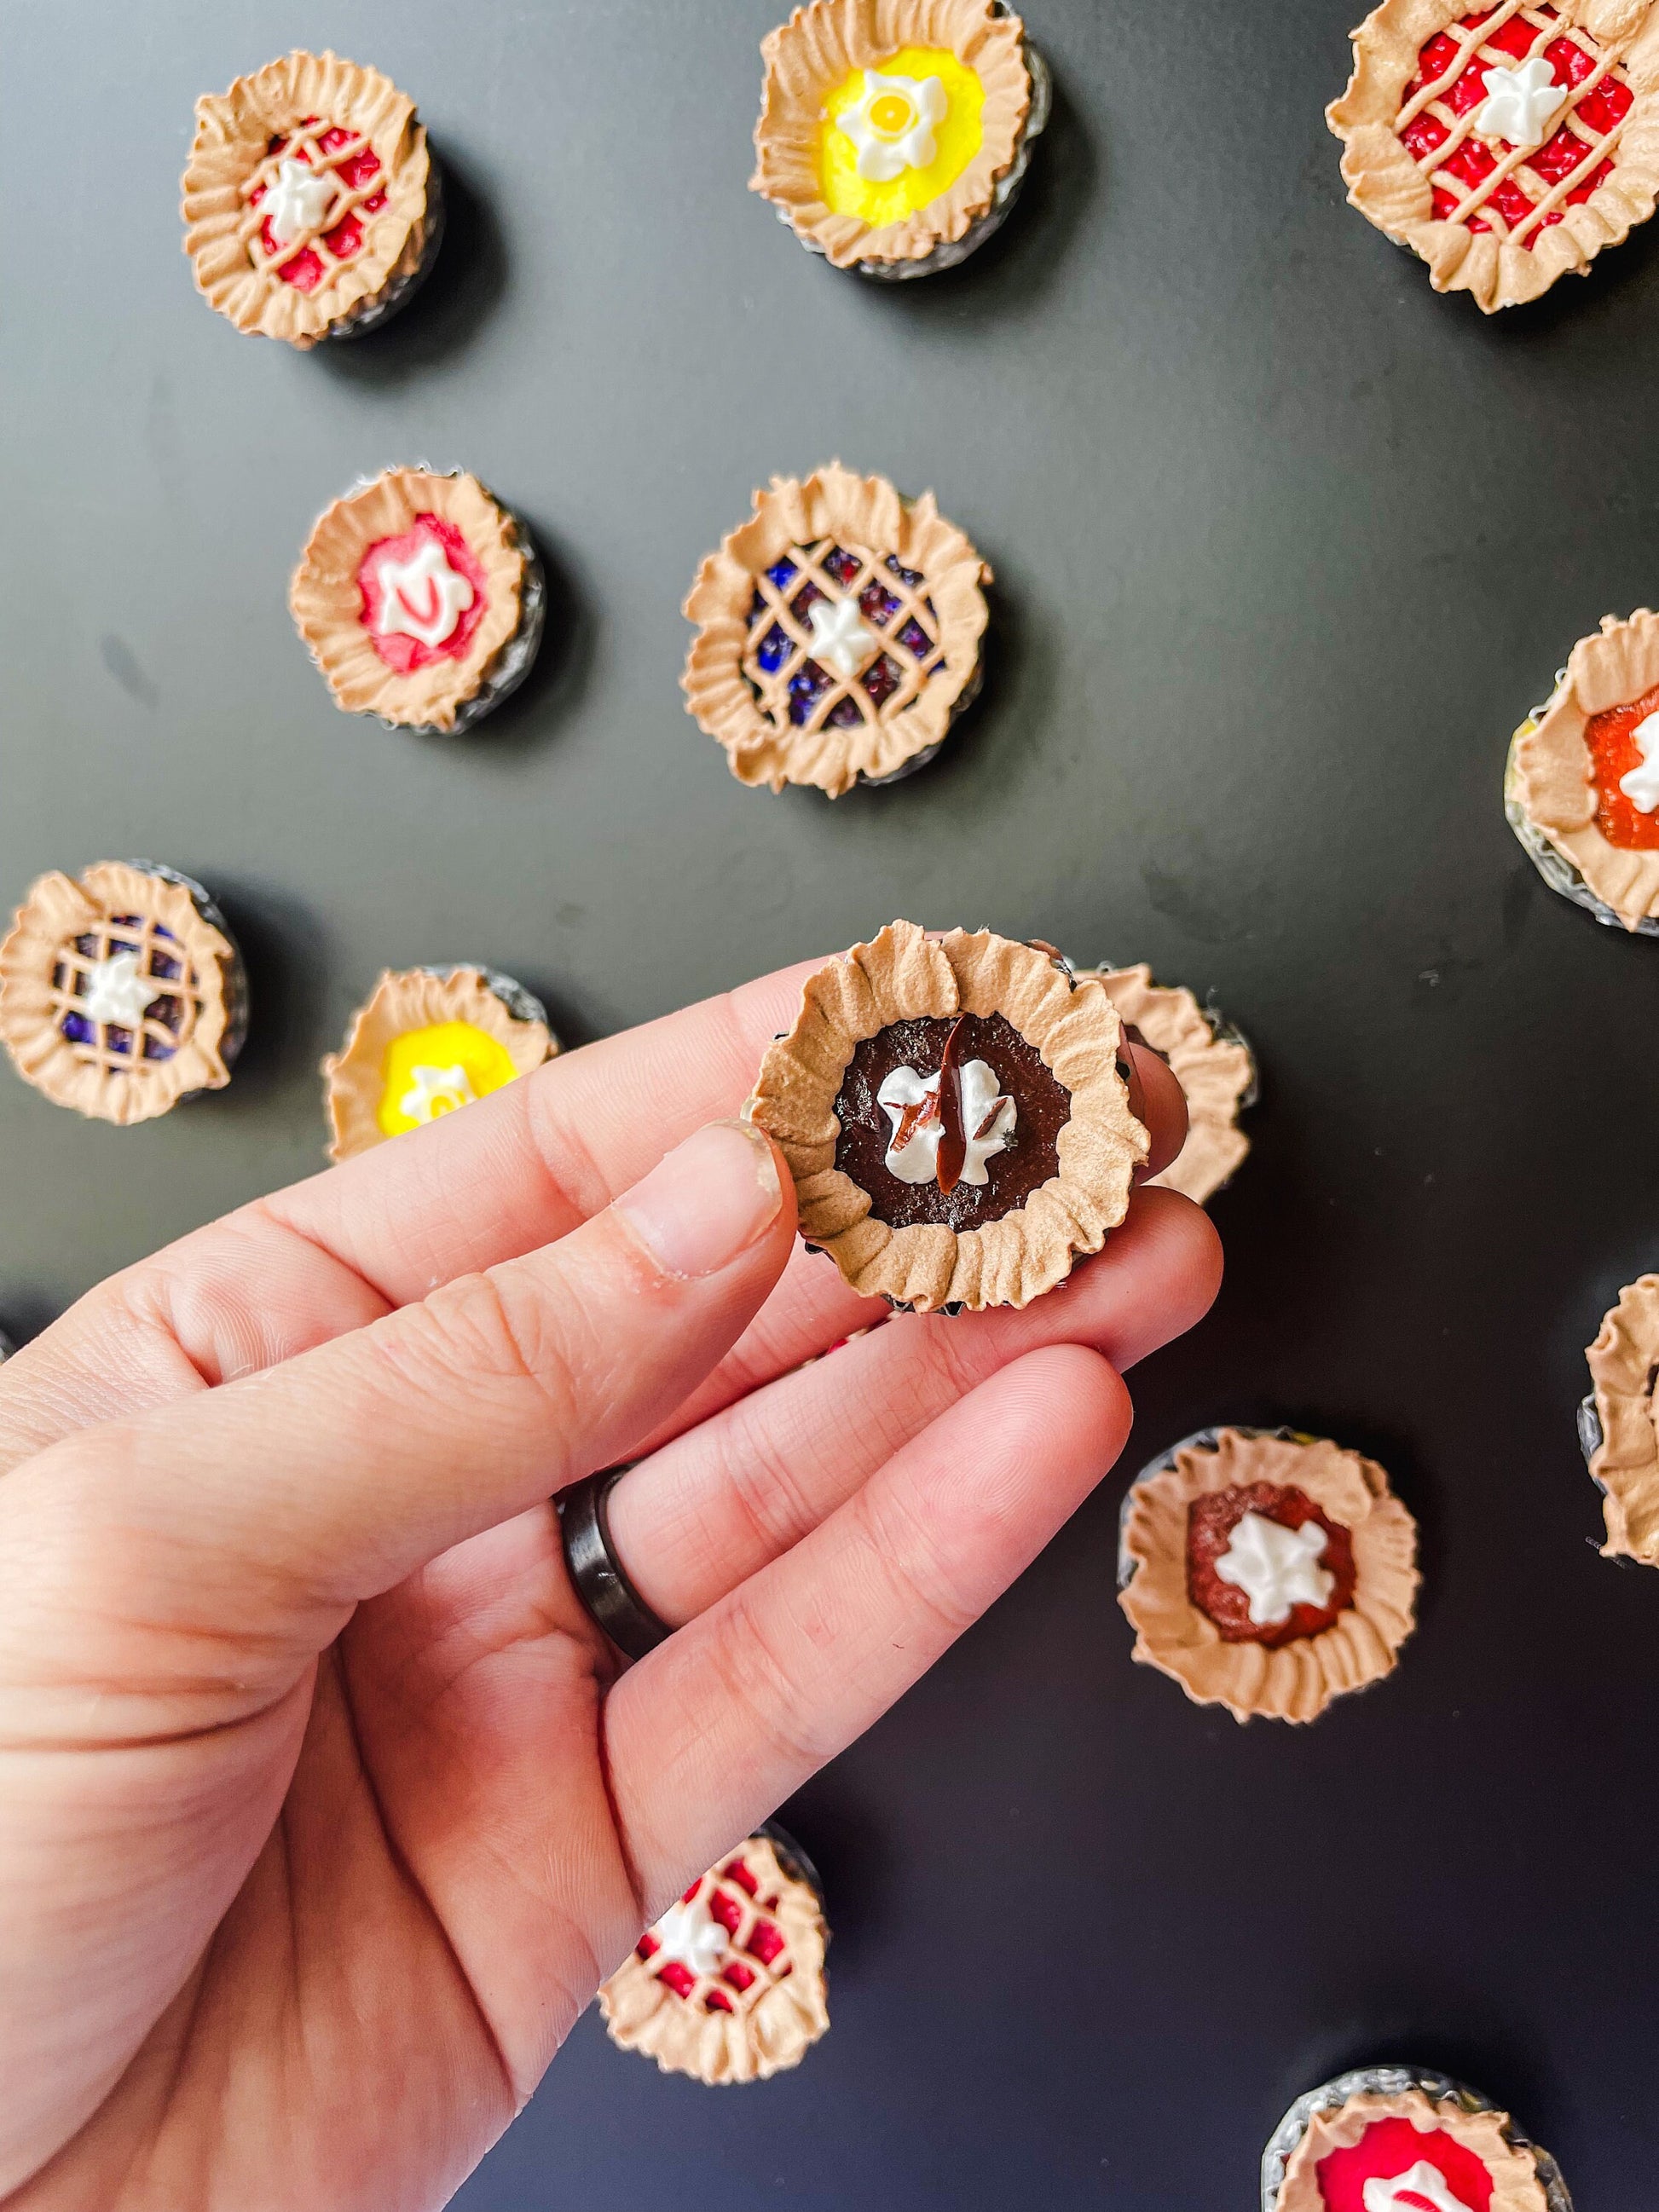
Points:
[(396, 647), (306, 268), (1389, 2149), (765, 1941), (1615, 752), (1211, 1521), (1570, 155)]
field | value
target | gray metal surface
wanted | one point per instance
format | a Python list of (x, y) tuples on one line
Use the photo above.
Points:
[(1285, 546)]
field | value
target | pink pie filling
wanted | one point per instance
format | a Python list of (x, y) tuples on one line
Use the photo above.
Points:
[(396, 647), (306, 268)]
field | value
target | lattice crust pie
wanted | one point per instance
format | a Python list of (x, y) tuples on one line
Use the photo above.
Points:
[(312, 207), (729, 1984), (421, 599), (839, 632), (1401, 2139), (1582, 788), (428, 1041), (1211, 1061), (1266, 1572), (954, 1118), (1616, 1422), (121, 991), (1507, 146), (895, 134)]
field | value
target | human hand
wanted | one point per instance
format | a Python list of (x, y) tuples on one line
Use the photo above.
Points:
[(324, 1806)]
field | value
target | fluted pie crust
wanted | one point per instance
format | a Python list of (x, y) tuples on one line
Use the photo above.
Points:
[(1625, 1463), (1297, 1681), (1214, 1069), (1515, 2185), (819, 46), (902, 975)]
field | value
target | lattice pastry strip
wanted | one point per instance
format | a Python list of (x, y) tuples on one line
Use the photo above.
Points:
[(1436, 125), (757, 1957), (794, 687), (161, 960), (360, 185)]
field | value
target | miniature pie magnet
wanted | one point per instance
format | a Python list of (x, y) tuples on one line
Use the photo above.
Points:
[(895, 134), (427, 1042), (1403, 2139), (839, 633), (1267, 1572), (1506, 146), (121, 991), (1211, 1061), (953, 1115), (311, 204), (1581, 788), (421, 599), (1616, 1422), (729, 1984)]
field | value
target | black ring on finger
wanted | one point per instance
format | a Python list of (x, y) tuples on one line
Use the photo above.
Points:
[(610, 1600)]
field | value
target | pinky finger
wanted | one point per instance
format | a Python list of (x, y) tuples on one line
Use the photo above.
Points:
[(718, 1726)]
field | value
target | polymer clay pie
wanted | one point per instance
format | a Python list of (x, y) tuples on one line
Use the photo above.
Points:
[(121, 991), (839, 633), (954, 1116), (421, 599), (312, 206), (429, 1040), (1506, 146), (729, 1984), (1616, 1422), (1581, 789), (1211, 1061), (1267, 1572), (895, 134), (1401, 2139)]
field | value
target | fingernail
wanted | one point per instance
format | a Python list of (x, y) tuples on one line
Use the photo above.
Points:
[(708, 1201)]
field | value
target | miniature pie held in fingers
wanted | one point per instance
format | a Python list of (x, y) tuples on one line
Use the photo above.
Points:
[(121, 991), (428, 1041), (1403, 2139), (954, 1118), (311, 204), (1211, 1062), (729, 1984), (839, 633), (1269, 1572), (421, 599), (1507, 146), (894, 135), (1581, 787)]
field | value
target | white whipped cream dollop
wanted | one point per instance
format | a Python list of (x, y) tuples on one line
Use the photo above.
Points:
[(114, 992), (1521, 103), (988, 1121), (1410, 2191), (435, 1090), (296, 199), (1276, 1567), (691, 1934), (1641, 785), (423, 598), (891, 123), (839, 639)]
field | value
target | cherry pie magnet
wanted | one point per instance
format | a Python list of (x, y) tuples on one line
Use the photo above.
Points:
[(1616, 1427), (1400, 2139), (895, 134), (312, 206), (1267, 1572), (729, 1984), (1214, 1066), (1506, 146), (1581, 789), (954, 1116), (121, 991), (429, 1040), (839, 632), (421, 599)]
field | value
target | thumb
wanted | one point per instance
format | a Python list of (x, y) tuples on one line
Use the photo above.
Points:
[(264, 1511)]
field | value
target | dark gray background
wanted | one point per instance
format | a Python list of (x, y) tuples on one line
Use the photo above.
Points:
[(1285, 546)]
